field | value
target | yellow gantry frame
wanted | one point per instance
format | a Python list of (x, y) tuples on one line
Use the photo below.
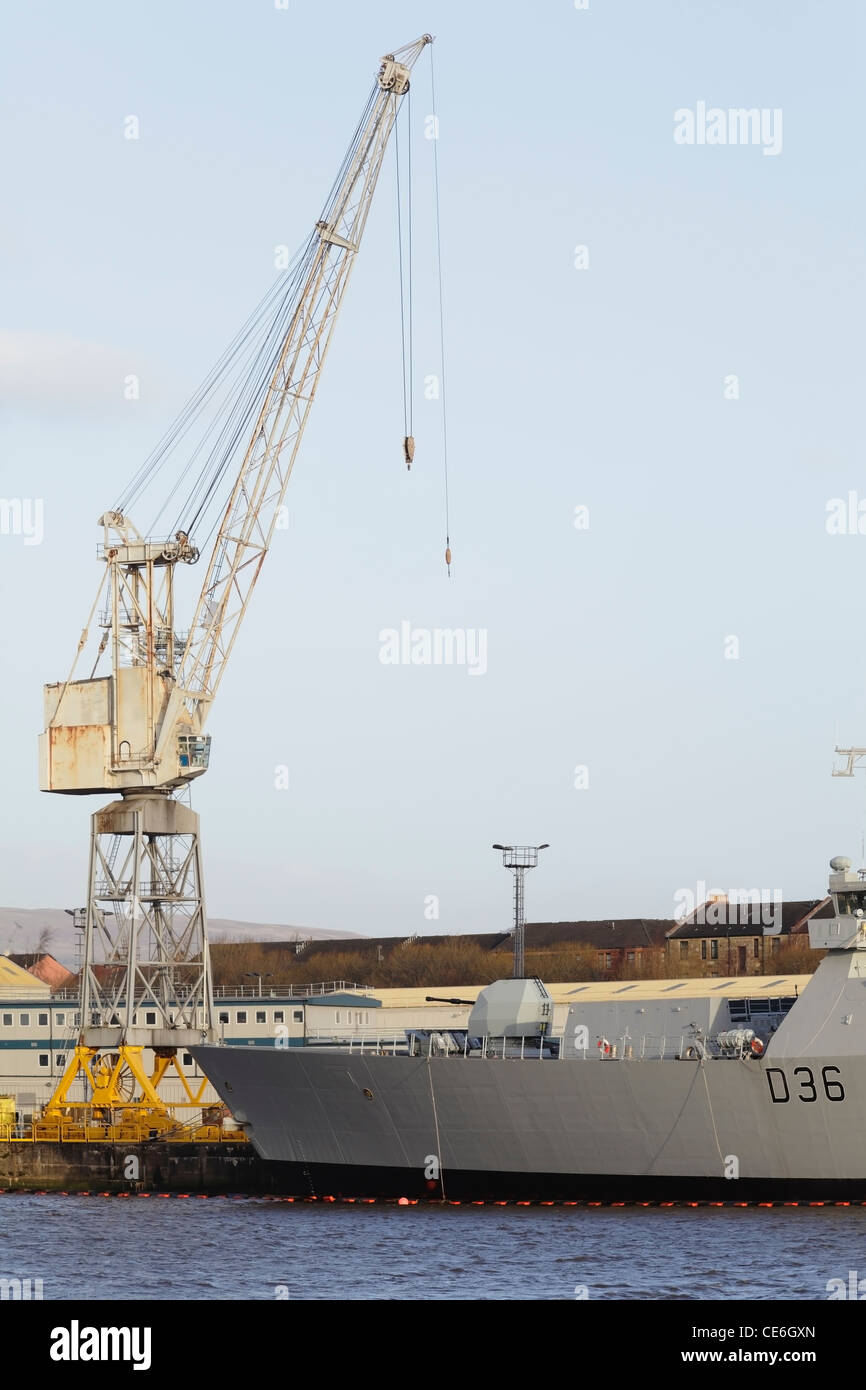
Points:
[(107, 1072)]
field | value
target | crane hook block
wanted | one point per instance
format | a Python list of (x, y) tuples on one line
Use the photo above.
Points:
[(409, 449)]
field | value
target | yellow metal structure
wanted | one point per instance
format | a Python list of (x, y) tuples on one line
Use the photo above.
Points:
[(122, 1095)]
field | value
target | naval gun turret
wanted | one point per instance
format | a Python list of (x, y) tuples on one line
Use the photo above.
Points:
[(512, 1009)]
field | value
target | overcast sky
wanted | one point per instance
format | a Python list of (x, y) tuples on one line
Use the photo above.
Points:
[(693, 378)]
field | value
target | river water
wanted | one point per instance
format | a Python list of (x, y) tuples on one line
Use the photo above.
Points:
[(252, 1248)]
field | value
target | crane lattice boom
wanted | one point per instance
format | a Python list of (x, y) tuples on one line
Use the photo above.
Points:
[(142, 727)]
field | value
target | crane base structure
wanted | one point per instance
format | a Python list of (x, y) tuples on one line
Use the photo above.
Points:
[(146, 981)]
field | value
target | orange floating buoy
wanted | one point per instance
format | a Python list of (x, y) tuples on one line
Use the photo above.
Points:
[(757, 1047)]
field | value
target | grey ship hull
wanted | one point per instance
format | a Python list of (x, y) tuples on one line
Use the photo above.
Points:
[(789, 1125), (556, 1129)]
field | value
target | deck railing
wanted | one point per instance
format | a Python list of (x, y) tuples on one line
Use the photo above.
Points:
[(247, 992)]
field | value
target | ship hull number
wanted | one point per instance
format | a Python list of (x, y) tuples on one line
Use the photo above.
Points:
[(803, 1085)]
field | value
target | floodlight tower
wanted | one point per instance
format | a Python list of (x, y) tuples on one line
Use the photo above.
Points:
[(519, 858)]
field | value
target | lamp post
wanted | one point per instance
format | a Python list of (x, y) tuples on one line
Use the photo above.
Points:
[(519, 858)]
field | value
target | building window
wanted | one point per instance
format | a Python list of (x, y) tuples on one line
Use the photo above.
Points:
[(601, 960), (43, 1020), (757, 950), (775, 943), (77, 1020), (714, 950), (61, 1059), (7, 1020), (187, 1060), (684, 950), (279, 1016), (608, 960), (297, 1015), (150, 1020), (60, 1020), (24, 1020), (261, 1016), (43, 1059), (241, 1016), (223, 1016), (337, 1016), (629, 955), (703, 950)]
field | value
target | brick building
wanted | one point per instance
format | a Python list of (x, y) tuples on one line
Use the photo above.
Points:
[(739, 938)]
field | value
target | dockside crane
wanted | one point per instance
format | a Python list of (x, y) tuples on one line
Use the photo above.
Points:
[(138, 733)]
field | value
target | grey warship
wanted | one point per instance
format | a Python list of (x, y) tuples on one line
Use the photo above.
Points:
[(679, 1099)]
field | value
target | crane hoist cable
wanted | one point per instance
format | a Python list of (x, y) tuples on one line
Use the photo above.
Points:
[(196, 403), (441, 309), (406, 317), (237, 419), (226, 403)]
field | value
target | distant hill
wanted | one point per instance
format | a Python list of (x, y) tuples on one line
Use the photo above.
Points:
[(21, 928)]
